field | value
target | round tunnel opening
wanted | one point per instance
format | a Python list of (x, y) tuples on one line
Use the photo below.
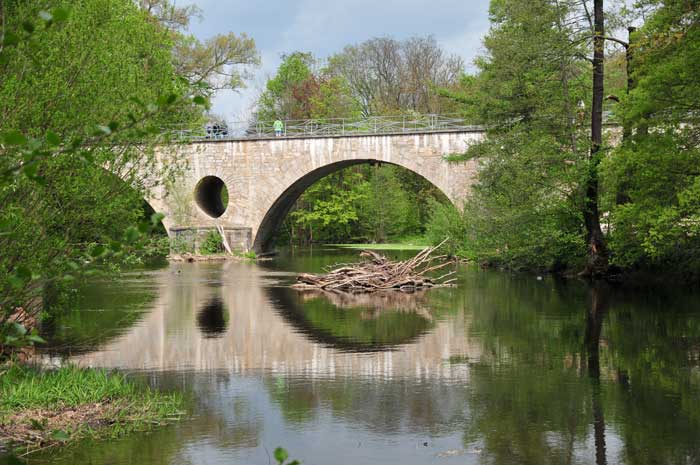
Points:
[(211, 196)]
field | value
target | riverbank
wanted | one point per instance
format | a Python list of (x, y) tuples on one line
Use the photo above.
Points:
[(41, 408), (381, 246), (239, 257)]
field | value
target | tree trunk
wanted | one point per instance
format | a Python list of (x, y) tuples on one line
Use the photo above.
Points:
[(597, 264), (622, 196)]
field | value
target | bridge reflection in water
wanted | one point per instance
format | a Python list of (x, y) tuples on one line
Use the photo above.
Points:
[(240, 318), (504, 369)]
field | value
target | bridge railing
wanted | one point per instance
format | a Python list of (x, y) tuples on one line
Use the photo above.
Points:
[(328, 127)]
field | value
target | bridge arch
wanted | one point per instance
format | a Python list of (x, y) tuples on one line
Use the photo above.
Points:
[(265, 176), (279, 209)]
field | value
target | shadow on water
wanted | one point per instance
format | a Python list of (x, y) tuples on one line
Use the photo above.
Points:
[(212, 318), (348, 323)]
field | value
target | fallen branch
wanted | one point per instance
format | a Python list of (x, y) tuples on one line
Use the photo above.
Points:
[(377, 273)]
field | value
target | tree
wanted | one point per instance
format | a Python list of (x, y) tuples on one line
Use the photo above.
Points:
[(388, 76), (86, 90), (300, 91), (329, 210), (540, 196), (656, 227), (387, 211), (597, 263), (526, 210), (220, 62)]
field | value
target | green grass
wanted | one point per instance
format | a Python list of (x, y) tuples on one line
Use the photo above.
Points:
[(380, 246), (136, 406), (399, 243), (25, 388)]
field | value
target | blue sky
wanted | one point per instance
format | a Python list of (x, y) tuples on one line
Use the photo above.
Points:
[(325, 27)]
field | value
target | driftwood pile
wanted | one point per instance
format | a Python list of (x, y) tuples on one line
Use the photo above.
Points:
[(378, 273)]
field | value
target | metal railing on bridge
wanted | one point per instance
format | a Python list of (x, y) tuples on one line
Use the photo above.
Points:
[(329, 127)]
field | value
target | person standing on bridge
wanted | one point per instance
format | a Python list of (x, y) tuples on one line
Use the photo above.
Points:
[(279, 126)]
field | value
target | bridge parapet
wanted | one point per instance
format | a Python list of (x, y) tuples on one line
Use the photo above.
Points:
[(329, 127)]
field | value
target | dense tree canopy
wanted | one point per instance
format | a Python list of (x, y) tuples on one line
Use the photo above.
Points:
[(533, 204), (657, 223), (86, 89)]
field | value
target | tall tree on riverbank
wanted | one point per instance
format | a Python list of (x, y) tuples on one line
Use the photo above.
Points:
[(526, 209), (597, 263), (86, 90), (657, 226), (538, 202)]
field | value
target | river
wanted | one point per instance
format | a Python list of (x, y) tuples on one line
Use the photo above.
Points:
[(503, 369)]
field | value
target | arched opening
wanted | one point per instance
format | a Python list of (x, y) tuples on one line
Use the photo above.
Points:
[(211, 196), (380, 189)]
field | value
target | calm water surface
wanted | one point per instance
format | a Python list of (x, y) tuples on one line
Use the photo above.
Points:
[(501, 370)]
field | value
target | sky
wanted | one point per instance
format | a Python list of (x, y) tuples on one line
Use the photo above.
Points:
[(324, 27)]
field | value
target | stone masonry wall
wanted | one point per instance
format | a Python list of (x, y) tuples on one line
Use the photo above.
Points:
[(257, 172)]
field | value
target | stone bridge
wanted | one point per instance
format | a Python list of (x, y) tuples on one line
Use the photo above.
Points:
[(264, 176)]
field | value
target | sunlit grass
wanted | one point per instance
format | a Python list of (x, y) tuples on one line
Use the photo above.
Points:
[(108, 404), (396, 246)]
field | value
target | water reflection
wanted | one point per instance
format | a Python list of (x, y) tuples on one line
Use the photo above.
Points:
[(212, 320), (502, 370), (354, 323), (596, 309)]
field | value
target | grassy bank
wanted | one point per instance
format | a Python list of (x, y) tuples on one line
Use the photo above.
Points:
[(46, 408), (405, 243)]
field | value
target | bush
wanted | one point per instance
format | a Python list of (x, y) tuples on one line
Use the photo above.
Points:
[(212, 244)]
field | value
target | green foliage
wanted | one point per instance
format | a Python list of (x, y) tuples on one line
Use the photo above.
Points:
[(364, 203), (447, 222), (251, 255), (212, 244), (15, 335), (300, 91), (525, 211), (281, 456), (181, 245), (329, 208), (528, 207), (654, 180), (85, 93), (387, 210), (278, 102)]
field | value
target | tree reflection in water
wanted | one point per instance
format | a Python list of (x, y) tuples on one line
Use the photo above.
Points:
[(597, 308)]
